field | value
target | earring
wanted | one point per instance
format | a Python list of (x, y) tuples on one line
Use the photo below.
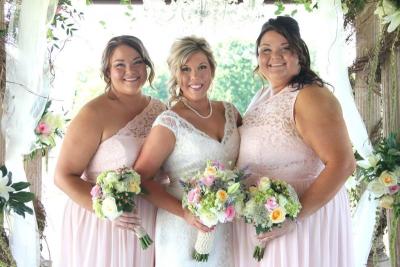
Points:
[(178, 91)]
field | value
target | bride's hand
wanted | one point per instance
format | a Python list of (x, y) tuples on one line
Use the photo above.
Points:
[(194, 221), (287, 227), (128, 221)]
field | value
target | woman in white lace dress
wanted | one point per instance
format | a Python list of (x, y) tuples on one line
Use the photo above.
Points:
[(182, 139)]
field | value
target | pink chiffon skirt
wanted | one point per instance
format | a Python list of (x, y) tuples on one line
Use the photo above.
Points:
[(324, 239), (91, 242)]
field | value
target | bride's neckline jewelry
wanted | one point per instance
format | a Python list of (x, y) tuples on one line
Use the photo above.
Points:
[(184, 101)]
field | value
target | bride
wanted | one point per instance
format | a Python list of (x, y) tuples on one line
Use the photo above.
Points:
[(182, 139)]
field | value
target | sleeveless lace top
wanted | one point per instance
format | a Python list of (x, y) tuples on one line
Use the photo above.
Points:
[(122, 149), (269, 125)]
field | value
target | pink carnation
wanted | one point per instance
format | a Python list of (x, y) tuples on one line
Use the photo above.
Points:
[(208, 180), (230, 213), (393, 189), (271, 204), (96, 191), (43, 128), (194, 195)]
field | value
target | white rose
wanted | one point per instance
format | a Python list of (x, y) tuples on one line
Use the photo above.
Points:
[(109, 208), (386, 202), (209, 219), (377, 188), (111, 178)]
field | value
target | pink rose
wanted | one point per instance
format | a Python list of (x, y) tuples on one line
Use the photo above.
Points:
[(230, 213), (208, 180), (43, 128), (271, 204), (194, 195), (96, 191), (393, 189)]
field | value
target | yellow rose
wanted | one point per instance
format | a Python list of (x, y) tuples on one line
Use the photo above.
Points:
[(386, 202), (387, 178), (210, 171), (134, 188), (222, 195), (277, 215)]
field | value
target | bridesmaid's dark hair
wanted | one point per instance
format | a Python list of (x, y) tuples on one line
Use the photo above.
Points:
[(132, 42), (289, 28)]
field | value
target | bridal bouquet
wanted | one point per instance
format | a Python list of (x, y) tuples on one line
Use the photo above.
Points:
[(114, 193), (214, 195), (269, 204)]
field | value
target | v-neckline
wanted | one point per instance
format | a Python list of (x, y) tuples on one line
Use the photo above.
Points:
[(204, 134)]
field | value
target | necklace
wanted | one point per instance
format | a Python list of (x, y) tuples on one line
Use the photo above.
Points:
[(195, 111)]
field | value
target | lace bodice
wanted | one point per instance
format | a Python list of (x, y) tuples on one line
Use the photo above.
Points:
[(194, 147), (269, 125), (122, 148)]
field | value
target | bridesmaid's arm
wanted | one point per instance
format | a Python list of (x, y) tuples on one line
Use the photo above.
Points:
[(320, 122), (80, 143), (158, 146)]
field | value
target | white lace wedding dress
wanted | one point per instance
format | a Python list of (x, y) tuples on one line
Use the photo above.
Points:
[(175, 239)]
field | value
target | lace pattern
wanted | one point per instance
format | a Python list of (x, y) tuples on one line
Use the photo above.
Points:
[(140, 126), (122, 148), (269, 126), (192, 149)]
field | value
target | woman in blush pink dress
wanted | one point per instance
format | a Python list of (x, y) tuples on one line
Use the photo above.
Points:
[(107, 134), (294, 131)]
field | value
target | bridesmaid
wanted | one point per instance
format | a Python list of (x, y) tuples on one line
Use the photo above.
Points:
[(294, 131), (107, 134)]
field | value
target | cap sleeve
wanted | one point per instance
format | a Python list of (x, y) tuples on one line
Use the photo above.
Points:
[(169, 120)]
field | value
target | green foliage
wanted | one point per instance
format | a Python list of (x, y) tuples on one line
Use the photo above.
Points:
[(160, 87), (388, 158), (308, 6), (235, 81), (16, 198)]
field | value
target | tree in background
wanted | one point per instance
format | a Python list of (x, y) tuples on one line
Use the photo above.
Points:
[(235, 81)]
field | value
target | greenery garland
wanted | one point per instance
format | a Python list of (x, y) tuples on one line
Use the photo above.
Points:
[(381, 172)]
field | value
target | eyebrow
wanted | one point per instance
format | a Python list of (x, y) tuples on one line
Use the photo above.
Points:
[(282, 44), (122, 60)]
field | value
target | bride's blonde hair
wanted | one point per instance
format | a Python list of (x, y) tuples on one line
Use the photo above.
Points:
[(181, 50)]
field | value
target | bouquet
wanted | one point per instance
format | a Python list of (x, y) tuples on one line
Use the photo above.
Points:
[(381, 171), (214, 195), (114, 193), (50, 126), (268, 205)]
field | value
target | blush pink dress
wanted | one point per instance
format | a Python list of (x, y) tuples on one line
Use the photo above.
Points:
[(89, 241), (271, 146)]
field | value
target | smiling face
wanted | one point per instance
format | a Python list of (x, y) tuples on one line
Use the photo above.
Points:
[(194, 77), (278, 63), (127, 70)]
